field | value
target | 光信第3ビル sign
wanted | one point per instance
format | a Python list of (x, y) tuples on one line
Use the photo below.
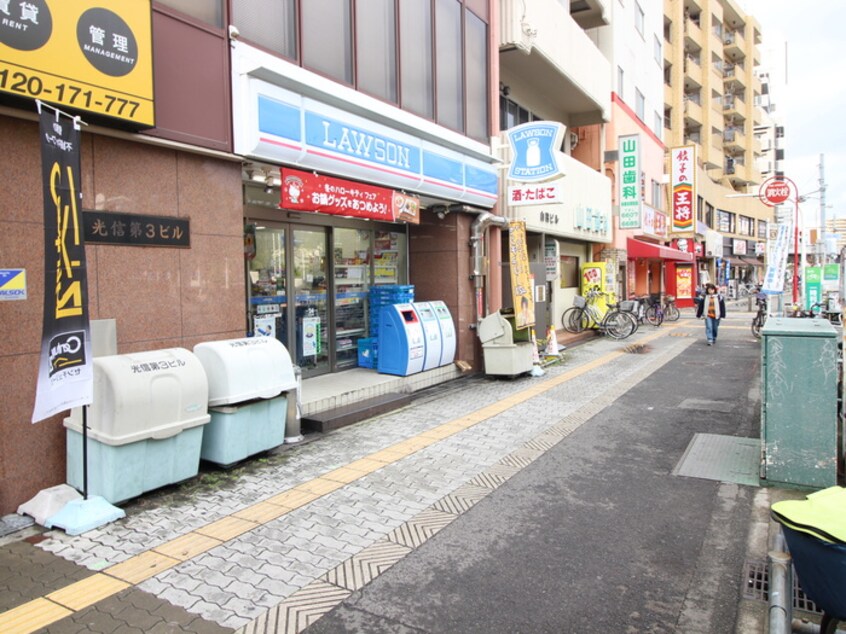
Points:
[(91, 55)]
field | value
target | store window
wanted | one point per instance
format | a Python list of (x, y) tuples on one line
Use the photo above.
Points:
[(351, 265), (569, 271), (416, 74), (268, 287)]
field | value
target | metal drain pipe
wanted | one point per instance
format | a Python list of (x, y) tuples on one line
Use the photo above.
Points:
[(781, 592), (477, 232)]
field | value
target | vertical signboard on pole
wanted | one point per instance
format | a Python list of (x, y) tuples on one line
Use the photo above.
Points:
[(521, 285), (683, 182), (629, 182), (65, 370)]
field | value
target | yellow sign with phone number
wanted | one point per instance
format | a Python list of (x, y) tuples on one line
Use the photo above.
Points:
[(92, 55)]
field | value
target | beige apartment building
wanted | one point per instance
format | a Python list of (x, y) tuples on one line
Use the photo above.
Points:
[(713, 102)]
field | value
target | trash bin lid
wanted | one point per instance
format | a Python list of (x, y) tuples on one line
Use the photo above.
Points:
[(798, 327), (493, 327), (821, 514)]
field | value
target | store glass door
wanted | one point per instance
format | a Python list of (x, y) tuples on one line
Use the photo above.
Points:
[(351, 266), (311, 299)]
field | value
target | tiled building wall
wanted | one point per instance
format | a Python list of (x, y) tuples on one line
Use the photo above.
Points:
[(159, 297)]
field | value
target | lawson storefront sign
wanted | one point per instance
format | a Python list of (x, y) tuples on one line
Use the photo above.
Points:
[(286, 115)]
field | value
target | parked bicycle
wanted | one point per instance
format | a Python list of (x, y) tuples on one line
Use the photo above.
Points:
[(586, 313), (760, 317)]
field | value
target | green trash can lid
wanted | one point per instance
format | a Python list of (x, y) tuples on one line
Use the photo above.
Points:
[(821, 514), (798, 327)]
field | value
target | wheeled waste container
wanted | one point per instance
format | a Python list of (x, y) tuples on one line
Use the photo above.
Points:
[(145, 424), (250, 383), (504, 351)]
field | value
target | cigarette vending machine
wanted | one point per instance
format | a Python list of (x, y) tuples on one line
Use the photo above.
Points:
[(401, 340), (431, 334), (447, 332)]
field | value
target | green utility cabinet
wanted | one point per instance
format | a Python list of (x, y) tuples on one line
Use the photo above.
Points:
[(799, 403)]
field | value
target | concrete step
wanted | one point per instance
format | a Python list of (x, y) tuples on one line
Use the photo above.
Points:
[(347, 415)]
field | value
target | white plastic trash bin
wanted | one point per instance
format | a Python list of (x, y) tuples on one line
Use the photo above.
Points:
[(145, 424), (503, 355), (250, 382)]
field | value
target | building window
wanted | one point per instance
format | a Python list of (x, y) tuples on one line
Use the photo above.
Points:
[(640, 105), (762, 229), (449, 79), (745, 226), (416, 72), (512, 114), (206, 11), (476, 63), (376, 48), (725, 221), (709, 215), (639, 18), (620, 77), (327, 46), (656, 195), (658, 124), (657, 51), (269, 23)]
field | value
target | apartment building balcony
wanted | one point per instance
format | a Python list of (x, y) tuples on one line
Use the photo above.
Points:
[(692, 71), (739, 174), (734, 108), (734, 45), (734, 140), (693, 33), (734, 77), (692, 113), (540, 45), (584, 186), (589, 14), (668, 95)]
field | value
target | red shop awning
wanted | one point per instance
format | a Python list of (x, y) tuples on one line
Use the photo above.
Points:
[(638, 249)]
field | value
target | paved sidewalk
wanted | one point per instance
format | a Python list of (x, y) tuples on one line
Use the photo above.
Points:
[(274, 544)]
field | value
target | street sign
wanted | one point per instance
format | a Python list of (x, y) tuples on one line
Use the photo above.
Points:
[(774, 192)]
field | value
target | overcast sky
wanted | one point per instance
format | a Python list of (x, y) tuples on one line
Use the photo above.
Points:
[(812, 105)]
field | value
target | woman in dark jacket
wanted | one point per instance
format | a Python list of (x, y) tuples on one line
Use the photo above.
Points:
[(712, 308)]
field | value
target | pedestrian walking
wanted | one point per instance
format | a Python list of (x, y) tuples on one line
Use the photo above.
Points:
[(712, 308)]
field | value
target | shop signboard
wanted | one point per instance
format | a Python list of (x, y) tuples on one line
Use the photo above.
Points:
[(306, 191), (12, 284), (543, 194), (683, 184), (738, 247), (813, 285), (521, 284), (831, 276), (535, 148), (628, 187), (91, 55)]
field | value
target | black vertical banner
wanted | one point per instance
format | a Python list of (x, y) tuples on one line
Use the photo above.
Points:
[(65, 374)]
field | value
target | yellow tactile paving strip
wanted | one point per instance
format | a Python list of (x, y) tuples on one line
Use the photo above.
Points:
[(39, 613)]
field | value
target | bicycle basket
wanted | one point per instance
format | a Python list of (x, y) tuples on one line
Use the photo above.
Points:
[(579, 301), (671, 298), (628, 306)]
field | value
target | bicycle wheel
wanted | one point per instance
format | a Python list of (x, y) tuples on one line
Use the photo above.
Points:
[(571, 318), (616, 325), (757, 324), (654, 315), (632, 326), (671, 313)]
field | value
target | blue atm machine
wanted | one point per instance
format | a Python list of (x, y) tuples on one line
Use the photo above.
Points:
[(447, 332), (431, 334), (401, 343)]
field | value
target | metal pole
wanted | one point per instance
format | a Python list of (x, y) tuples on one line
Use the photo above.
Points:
[(85, 452), (781, 593), (796, 251)]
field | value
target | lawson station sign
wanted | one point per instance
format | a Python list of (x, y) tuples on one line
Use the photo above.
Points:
[(535, 147)]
